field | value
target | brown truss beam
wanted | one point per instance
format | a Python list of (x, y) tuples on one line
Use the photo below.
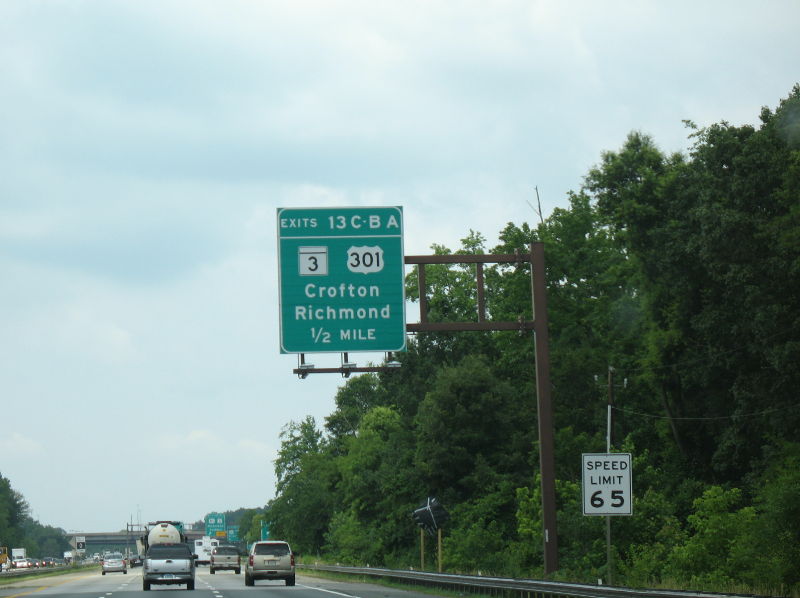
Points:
[(468, 258)]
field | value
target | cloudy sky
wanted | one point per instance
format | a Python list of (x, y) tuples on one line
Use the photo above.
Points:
[(145, 146)]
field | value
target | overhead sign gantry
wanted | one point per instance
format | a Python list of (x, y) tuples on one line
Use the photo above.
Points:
[(342, 290)]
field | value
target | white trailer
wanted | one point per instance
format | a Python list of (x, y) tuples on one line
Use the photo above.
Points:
[(202, 549)]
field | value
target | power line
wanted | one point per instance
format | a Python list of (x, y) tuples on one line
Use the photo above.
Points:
[(698, 360), (721, 417)]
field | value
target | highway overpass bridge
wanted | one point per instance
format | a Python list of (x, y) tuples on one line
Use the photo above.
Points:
[(123, 541)]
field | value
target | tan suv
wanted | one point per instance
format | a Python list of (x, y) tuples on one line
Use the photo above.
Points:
[(269, 559), (225, 557)]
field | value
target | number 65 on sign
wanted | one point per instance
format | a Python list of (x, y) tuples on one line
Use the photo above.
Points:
[(607, 484)]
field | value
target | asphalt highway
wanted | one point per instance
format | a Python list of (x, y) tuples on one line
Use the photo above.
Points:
[(223, 584)]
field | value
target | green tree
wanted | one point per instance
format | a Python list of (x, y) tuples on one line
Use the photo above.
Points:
[(715, 551), (298, 439), (776, 537), (349, 541), (469, 414), (13, 514), (247, 526), (376, 488), (353, 400), (305, 499)]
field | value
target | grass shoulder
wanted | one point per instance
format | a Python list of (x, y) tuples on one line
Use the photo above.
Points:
[(6, 579), (379, 581)]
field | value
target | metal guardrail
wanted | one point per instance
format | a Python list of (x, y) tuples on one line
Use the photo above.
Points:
[(521, 588)]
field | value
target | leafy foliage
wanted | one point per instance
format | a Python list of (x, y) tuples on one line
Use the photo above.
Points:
[(19, 530), (680, 271)]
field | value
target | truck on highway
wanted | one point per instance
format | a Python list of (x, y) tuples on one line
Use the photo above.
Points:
[(168, 558), (19, 558), (4, 564), (203, 548), (163, 532)]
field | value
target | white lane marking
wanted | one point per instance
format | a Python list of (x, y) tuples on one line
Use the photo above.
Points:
[(328, 591)]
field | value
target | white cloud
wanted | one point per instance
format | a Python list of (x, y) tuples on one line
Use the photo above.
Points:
[(183, 444), (14, 444), (151, 143), (256, 450)]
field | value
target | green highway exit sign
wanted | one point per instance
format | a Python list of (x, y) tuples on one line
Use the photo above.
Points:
[(341, 279), (215, 524)]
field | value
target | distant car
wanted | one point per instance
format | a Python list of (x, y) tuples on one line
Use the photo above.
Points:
[(225, 557), (48, 561), (269, 559), (20, 563), (114, 562)]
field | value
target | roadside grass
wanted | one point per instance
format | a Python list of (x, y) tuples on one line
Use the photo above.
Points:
[(9, 579), (731, 588), (377, 581), (734, 589)]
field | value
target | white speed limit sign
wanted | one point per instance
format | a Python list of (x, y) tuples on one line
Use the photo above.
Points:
[(607, 486)]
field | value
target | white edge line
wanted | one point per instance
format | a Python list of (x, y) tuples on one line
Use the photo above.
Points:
[(328, 591)]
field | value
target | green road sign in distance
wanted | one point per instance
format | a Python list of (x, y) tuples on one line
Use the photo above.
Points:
[(215, 522), (341, 279), (233, 533)]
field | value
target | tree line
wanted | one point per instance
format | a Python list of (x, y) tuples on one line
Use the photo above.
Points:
[(680, 271), (19, 530)]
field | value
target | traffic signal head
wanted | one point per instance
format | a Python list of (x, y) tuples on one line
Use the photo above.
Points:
[(422, 517), (438, 513), (430, 515)]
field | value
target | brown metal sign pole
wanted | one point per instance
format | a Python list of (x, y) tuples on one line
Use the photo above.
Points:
[(545, 407), (439, 533), (421, 550)]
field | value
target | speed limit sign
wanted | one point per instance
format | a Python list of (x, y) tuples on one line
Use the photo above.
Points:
[(607, 486)]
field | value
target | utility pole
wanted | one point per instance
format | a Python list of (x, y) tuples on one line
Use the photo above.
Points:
[(609, 442), (547, 465), (609, 415)]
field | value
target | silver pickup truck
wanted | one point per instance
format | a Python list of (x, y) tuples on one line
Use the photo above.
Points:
[(168, 564), (225, 557)]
